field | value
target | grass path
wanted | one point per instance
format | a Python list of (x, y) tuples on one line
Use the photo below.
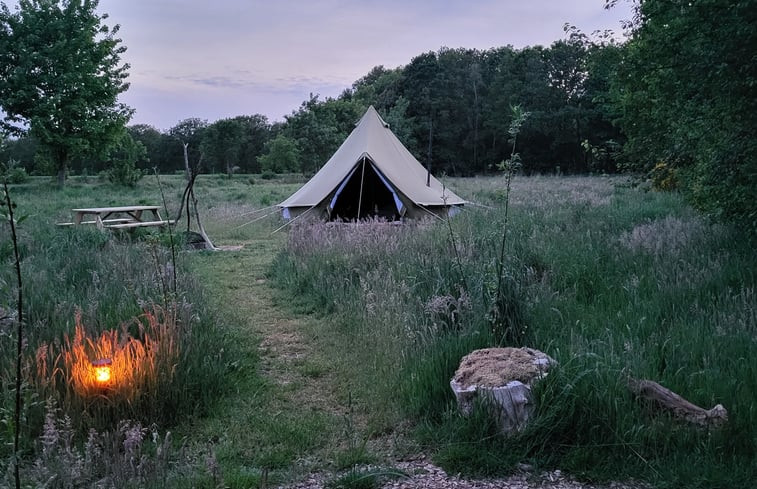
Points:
[(284, 415)]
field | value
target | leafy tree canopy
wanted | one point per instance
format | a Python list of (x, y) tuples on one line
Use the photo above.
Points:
[(686, 98), (60, 77), (282, 155)]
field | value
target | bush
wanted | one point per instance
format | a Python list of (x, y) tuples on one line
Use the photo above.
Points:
[(663, 177), (124, 174), (16, 175), (123, 158)]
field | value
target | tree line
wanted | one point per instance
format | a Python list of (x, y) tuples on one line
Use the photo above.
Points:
[(675, 100), (451, 108)]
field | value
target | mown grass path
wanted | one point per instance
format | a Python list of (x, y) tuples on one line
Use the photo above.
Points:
[(283, 416), (288, 420)]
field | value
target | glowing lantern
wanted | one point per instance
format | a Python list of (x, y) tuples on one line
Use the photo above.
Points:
[(102, 370)]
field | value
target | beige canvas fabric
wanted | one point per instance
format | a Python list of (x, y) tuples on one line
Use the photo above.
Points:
[(372, 140)]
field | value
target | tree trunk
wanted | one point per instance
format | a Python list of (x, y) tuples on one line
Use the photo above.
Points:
[(61, 178), (430, 147), (475, 126), (186, 160), (61, 163)]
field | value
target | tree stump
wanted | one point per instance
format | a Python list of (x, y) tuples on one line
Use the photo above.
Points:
[(504, 377)]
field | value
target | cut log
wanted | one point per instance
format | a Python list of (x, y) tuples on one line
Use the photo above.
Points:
[(680, 408)]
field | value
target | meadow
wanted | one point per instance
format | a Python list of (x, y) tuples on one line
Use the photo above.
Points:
[(327, 347)]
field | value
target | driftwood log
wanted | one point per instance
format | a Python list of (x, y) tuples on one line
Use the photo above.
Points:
[(667, 400)]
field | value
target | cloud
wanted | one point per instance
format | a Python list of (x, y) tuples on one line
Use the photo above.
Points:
[(247, 55)]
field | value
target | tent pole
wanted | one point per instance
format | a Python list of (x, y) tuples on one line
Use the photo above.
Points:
[(360, 198)]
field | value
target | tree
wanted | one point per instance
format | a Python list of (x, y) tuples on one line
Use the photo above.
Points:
[(282, 155), (123, 158), (189, 133), (686, 95), (380, 88), (235, 144), (319, 128), (150, 138), (256, 132), (60, 76), (222, 144)]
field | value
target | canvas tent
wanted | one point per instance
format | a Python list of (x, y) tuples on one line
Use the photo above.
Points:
[(371, 175)]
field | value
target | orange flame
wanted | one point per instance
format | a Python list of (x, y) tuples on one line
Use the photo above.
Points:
[(102, 370)]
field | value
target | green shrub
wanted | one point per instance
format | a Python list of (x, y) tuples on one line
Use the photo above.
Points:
[(124, 174), (15, 175), (663, 177)]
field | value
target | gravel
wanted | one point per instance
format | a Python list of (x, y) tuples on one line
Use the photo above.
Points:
[(425, 475)]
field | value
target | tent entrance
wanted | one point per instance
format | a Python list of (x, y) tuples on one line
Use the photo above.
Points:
[(364, 195)]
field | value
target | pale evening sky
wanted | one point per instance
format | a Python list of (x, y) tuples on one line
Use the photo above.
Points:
[(196, 58)]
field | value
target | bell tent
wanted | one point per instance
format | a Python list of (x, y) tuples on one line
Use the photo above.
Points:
[(371, 175)]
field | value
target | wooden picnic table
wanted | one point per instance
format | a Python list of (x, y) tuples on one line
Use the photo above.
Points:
[(121, 217)]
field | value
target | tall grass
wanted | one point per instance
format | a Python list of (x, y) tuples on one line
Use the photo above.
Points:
[(90, 295), (608, 280)]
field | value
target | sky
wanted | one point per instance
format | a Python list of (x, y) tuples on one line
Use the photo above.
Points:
[(223, 58)]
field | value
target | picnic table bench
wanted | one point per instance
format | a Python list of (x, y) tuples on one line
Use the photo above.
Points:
[(121, 217)]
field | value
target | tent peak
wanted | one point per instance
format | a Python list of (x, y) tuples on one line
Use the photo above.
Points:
[(372, 112)]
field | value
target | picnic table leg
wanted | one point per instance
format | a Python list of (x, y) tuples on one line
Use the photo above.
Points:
[(77, 218), (99, 222)]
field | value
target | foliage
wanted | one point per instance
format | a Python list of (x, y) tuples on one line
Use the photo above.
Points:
[(184, 142), (268, 175), (256, 132), (235, 144), (319, 128), (123, 161), (282, 156), (60, 75), (686, 94), (663, 177), (13, 173), (221, 144), (608, 280), (151, 139)]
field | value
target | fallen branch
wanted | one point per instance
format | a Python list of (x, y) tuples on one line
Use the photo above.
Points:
[(682, 409)]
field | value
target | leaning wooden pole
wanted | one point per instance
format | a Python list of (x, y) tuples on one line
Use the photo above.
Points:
[(208, 243)]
